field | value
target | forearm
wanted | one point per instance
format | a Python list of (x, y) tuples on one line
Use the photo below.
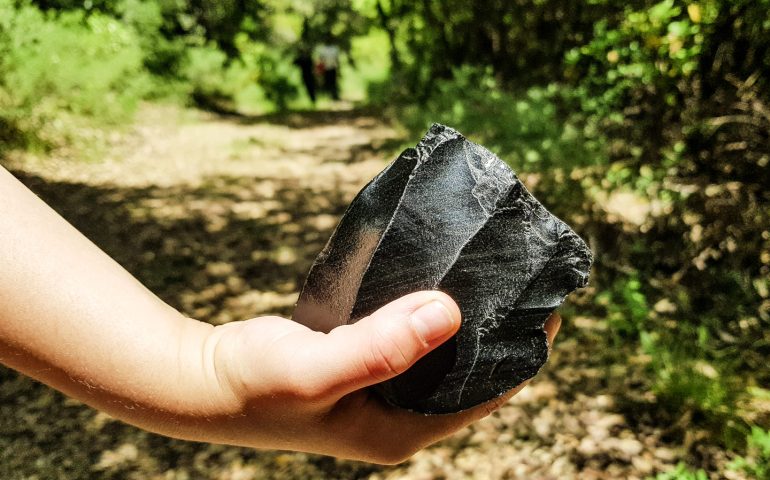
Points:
[(72, 318)]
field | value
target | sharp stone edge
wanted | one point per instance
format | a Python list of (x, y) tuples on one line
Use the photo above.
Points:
[(469, 228)]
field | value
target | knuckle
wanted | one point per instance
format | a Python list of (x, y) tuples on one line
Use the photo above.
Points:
[(416, 337), (303, 387), (387, 359)]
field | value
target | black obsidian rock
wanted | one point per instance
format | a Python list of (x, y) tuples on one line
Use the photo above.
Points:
[(450, 215)]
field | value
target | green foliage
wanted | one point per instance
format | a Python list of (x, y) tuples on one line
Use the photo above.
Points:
[(626, 307), (519, 41), (682, 472), (686, 375), (163, 54), (204, 70), (55, 67), (65, 63), (532, 137), (659, 85), (665, 102), (274, 71), (688, 379), (646, 55), (262, 78), (368, 65), (757, 463)]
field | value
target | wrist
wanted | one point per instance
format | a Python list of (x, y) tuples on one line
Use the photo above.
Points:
[(197, 396), (220, 354)]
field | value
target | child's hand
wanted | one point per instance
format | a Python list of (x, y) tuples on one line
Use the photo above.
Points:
[(304, 390), (73, 318)]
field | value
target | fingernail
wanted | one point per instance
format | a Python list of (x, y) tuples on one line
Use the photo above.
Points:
[(433, 320)]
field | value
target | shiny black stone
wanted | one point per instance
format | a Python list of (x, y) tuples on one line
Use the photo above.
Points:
[(450, 215)]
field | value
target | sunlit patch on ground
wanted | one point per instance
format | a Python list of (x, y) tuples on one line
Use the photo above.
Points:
[(222, 217)]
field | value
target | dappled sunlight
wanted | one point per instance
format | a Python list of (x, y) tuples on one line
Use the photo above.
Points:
[(211, 148), (234, 240), (198, 247)]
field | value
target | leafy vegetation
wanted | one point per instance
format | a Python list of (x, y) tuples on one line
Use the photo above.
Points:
[(663, 106), (681, 472), (646, 124), (757, 464), (56, 69)]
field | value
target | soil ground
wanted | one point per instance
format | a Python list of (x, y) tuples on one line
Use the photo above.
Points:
[(222, 217)]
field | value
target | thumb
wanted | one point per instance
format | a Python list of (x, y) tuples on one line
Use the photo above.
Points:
[(384, 344)]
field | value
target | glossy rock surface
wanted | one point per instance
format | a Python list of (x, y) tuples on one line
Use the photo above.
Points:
[(449, 215)]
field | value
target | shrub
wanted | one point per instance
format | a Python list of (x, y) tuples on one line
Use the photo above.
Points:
[(56, 67), (682, 472), (261, 79), (204, 71), (757, 463), (525, 129), (679, 90)]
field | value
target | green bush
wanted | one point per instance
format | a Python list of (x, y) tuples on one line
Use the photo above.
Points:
[(525, 129), (689, 378), (261, 79), (627, 309), (55, 68), (203, 70), (271, 68), (641, 60), (757, 463), (163, 53), (682, 472), (678, 90)]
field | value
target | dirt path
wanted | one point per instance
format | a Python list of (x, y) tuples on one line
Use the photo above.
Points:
[(172, 147), (222, 217)]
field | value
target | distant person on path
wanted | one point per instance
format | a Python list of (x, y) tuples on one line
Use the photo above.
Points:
[(73, 318), (304, 61), (328, 61)]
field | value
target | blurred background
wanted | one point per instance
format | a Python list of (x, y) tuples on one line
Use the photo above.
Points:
[(211, 146)]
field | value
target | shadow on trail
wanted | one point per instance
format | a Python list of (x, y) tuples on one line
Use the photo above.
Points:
[(197, 247), (230, 249), (355, 140), (362, 117), (236, 247)]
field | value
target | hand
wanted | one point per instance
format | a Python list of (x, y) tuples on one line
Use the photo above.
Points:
[(74, 319), (304, 390)]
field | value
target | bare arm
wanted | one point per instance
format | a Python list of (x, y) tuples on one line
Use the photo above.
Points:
[(73, 318)]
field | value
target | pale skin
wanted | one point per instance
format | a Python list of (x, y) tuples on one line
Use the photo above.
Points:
[(74, 319)]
